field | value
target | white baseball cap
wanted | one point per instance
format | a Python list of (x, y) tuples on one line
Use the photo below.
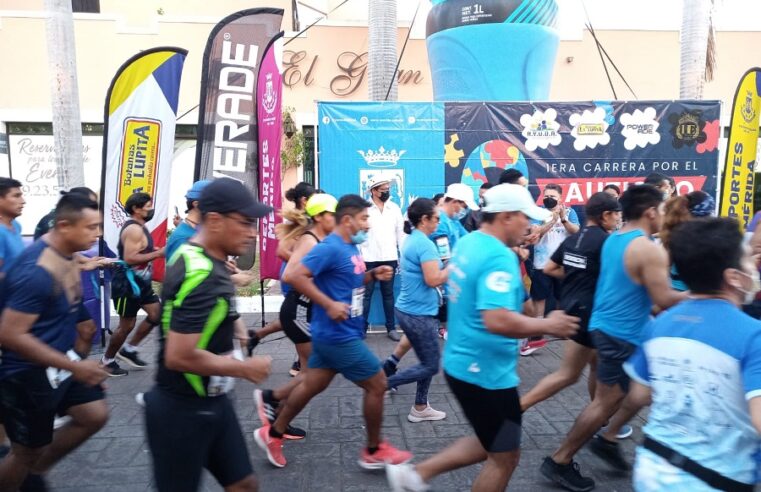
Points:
[(462, 192), (376, 182), (513, 198)]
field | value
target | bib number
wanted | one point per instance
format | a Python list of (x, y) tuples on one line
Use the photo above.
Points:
[(220, 385), (442, 244), (357, 302), (57, 376)]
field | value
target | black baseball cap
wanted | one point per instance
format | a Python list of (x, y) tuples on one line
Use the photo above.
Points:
[(601, 202), (226, 195)]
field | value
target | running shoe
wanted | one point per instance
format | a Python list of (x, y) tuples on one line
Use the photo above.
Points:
[(295, 369), (609, 452), (426, 414), (131, 358), (386, 454), (394, 335), (567, 476), (404, 478), (140, 399), (114, 370), (266, 408), (270, 445), (389, 368), (531, 346)]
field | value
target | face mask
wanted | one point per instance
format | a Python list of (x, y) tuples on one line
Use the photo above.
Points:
[(481, 202), (461, 214), (549, 202), (150, 215), (666, 195), (750, 295), (384, 196), (359, 237)]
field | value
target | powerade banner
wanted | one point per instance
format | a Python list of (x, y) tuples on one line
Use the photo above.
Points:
[(737, 177), (227, 136), (583, 146), (269, 94), (140, 117)]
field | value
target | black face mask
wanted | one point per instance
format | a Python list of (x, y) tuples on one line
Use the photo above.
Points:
[(150, 215), (384, 196), (550, 202)]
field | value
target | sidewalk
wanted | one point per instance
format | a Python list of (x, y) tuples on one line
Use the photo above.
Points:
[(117, 458)]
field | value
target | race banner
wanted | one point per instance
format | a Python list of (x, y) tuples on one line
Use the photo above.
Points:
[(269, 92), (227, 122), (737, 176), (140, 117), (583, 146)]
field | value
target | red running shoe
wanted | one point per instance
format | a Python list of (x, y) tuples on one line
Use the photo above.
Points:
[(531, 346), (270, 445), (386, 454)]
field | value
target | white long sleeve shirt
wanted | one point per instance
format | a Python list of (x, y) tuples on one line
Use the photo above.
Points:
[(386, 235)]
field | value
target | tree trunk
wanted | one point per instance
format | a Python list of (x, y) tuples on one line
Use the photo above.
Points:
[(696, 26), (64, 93), (382, 50)]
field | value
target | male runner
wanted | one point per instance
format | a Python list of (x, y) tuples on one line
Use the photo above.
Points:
[(633, 277), (11, 205), (333, 276), (41, 375), (481, 355), (136, 249), (190, 422)]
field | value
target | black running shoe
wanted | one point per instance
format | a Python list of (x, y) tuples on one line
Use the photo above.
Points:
[(295, 369), (33, 483), (253, 341), (567, 476), (389, 368), (114, 370), (293, 433), (131, 358), (609, 452)]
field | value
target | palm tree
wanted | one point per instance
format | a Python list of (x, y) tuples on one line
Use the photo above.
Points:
[(698, 48), (64, 93), (382, 50)]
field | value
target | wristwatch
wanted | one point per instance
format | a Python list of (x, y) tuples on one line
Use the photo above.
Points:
[(564, 221)]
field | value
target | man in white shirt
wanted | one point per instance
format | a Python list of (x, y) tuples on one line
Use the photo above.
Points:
[(384, 240)]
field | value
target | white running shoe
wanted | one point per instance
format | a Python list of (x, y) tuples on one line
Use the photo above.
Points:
[(140, 399), (427, 414), (404, 478)]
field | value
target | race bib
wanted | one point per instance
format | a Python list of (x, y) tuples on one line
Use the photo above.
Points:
[(357, 302), (220, 385), (57, 376), (442, 244)]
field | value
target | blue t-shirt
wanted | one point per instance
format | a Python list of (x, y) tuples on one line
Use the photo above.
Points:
[(416, 297), (339, 273), (284, 288), (43, 282), (621, 307), (446, 235), (11, 245), (702, 360), (179, 236), (483, 275)]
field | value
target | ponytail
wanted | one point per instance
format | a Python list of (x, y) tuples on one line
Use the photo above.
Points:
[(407, 227), (297, 224), (676, 211)]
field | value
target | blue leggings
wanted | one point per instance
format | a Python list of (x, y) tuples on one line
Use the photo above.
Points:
[(422, 332)]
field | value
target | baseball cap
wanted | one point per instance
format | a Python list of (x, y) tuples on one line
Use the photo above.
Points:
[(319, 203), (462, 192), (601, 202), (376, 182), (513, 198), (194, 193), (225, 195)]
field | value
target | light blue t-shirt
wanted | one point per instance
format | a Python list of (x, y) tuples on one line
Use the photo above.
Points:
[(702, 360), (11, 245), (416, 297), (446, 235), (179, 236), (483, 275), (552, 239)]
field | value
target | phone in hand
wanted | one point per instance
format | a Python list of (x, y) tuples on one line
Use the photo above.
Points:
[(176, 211)]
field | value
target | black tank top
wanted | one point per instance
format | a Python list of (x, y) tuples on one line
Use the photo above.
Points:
[(300, 298), (146, 250)]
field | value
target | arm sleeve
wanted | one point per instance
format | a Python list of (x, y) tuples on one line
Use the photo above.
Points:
[(318, 258), (495, 285), (751, 368), (29, 290)]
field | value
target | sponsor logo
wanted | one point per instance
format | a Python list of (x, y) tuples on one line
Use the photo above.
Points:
[(640, 128), (381, 157), (139, 158), (499, 281), (269, 98), (687, 128), (474, 368), (541, 129), (589, 129), (747, 111)]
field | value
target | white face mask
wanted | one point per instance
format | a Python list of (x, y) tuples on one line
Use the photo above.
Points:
[(750, 295)]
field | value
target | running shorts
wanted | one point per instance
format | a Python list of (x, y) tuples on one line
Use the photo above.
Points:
[(295, 316), (612, 352), (352, 359), (127, 307)]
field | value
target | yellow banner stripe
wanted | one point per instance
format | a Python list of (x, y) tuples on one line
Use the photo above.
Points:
[(134, 75)]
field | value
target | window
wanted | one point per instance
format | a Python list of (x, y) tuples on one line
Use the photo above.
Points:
[(85, 6), (309, 137)]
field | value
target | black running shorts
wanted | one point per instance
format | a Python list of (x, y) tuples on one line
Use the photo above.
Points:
[(127, 307), (295, 317), (29, 404), (495, 415), (187, 434), (612, 352)]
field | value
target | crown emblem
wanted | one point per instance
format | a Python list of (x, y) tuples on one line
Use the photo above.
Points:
[(381, 158)]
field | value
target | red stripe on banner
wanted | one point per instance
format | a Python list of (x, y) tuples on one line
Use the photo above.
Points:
[(576, 191), (159, 240)]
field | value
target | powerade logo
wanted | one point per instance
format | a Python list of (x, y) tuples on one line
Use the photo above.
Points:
[(640, 128), (139, 157)]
